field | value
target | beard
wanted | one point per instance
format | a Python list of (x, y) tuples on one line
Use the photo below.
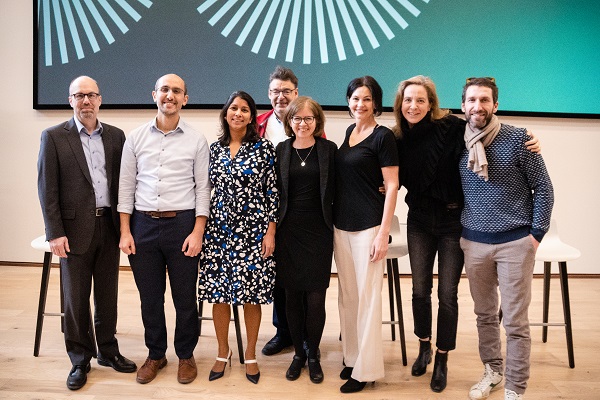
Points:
[(480, 121)]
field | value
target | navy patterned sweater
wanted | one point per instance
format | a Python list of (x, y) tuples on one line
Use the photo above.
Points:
[(517, 199)]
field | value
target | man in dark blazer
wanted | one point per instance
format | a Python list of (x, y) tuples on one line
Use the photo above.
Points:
[(78, 178)]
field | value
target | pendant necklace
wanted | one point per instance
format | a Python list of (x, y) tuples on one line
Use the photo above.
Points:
[(303, 162)]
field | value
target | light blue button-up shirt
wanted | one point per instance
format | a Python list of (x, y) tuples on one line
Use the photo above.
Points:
[(93, 148), (164, 171)]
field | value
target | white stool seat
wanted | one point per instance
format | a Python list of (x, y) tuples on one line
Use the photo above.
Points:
[(552, 249), (40, 243)]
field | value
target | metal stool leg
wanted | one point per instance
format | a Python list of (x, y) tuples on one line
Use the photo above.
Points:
[(564, 285), (547, 275), (396, 275), (42, 302), (200, 307), (390, 279), (238, 332)]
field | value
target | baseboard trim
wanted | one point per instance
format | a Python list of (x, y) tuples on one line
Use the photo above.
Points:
[(128, 268)]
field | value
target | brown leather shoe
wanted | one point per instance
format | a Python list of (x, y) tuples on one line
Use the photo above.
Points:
[(187, 370), (149, 370)]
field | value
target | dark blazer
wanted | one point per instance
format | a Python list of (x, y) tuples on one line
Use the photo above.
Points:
[(65, 185), (326, 153)]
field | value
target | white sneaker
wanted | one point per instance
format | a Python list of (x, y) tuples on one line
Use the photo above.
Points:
[(512, 395), (489, 381)]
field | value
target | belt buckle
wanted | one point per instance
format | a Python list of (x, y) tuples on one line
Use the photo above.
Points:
[(99, 212), (155, 214)]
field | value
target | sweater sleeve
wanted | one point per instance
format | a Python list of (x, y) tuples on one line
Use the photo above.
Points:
[(543, 192)]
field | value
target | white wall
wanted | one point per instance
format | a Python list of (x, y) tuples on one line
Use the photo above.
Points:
[(570, 148)]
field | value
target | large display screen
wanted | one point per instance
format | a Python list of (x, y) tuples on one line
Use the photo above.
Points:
[(544, 54)]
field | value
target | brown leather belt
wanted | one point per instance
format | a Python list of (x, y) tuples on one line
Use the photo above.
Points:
[(160, 214), (102, 211)]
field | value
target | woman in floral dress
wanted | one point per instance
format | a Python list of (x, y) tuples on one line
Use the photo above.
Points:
[(237, 265)]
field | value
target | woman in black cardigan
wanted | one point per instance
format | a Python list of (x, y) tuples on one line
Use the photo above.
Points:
[(304, 238)]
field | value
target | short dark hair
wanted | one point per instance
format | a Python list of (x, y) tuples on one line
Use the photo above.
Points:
[(370, 83), (251, 129), (284, 74), (298, 104), (486, 82)]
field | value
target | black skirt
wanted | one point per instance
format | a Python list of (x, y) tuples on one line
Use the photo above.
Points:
[(304, 251)]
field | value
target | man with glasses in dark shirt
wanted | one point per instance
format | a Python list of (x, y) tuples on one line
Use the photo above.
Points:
[(78, 177)]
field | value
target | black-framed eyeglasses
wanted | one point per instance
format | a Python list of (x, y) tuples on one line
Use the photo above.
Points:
[(277, 92), (80, 96), (307, 120), (489, 78)]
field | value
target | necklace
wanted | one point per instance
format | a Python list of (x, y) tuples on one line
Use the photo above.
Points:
[(303, 162)]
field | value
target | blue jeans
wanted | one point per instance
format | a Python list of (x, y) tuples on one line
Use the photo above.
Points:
[(431, 231)]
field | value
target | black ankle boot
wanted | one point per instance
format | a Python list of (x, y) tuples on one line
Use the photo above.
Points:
[(440, 372), (424, 358)]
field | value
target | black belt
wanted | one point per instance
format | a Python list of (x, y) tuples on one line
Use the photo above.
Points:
[(102, 211)]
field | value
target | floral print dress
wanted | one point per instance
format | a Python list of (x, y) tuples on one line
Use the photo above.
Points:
[(244, 201)]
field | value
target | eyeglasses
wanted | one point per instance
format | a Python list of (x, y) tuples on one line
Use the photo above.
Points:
[(285, 92), (80, 96), (175, 90), (307, 120), (489, 78)]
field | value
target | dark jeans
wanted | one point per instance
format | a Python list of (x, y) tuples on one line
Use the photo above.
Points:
[(430, 231), (158, 243)]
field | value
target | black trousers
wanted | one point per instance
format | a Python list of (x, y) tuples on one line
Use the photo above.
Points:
[(158, 243), (101, 264)]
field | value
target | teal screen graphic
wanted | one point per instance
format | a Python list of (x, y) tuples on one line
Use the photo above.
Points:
[(545, 55)]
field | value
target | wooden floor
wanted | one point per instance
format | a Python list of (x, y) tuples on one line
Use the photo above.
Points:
[(23, 376)]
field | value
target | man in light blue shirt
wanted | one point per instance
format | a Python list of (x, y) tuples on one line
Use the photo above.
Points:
[(164, 196)]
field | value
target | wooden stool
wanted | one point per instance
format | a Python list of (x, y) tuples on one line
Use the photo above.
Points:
[(236, 321), (396, 249), (40, 243)]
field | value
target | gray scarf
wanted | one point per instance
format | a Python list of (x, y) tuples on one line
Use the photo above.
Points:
[(476, 141)]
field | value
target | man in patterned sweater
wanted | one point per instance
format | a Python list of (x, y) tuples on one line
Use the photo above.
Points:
[(508, 202)]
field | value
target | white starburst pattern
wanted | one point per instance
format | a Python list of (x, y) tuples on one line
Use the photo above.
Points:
[(69, 23), (345, 22)]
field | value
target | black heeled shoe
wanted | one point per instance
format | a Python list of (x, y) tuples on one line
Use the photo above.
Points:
[(295, 368), (423, 359), (346, 373), (440, 372), (216, 375), (315, 371), (352, 386), (252, 378)]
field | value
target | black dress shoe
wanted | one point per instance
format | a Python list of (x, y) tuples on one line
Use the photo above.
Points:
[(315, 371), (352, 386), (346, 373), (295, 368), (423, 359), (78, 376), (275, 345), (118, 363)]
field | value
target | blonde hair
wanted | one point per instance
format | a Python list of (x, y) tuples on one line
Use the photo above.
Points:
[(436, 112)]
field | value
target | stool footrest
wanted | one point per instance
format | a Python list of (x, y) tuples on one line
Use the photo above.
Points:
[(547, 324)]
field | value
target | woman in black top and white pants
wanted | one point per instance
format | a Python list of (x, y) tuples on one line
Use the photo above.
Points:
[(362, 219)]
